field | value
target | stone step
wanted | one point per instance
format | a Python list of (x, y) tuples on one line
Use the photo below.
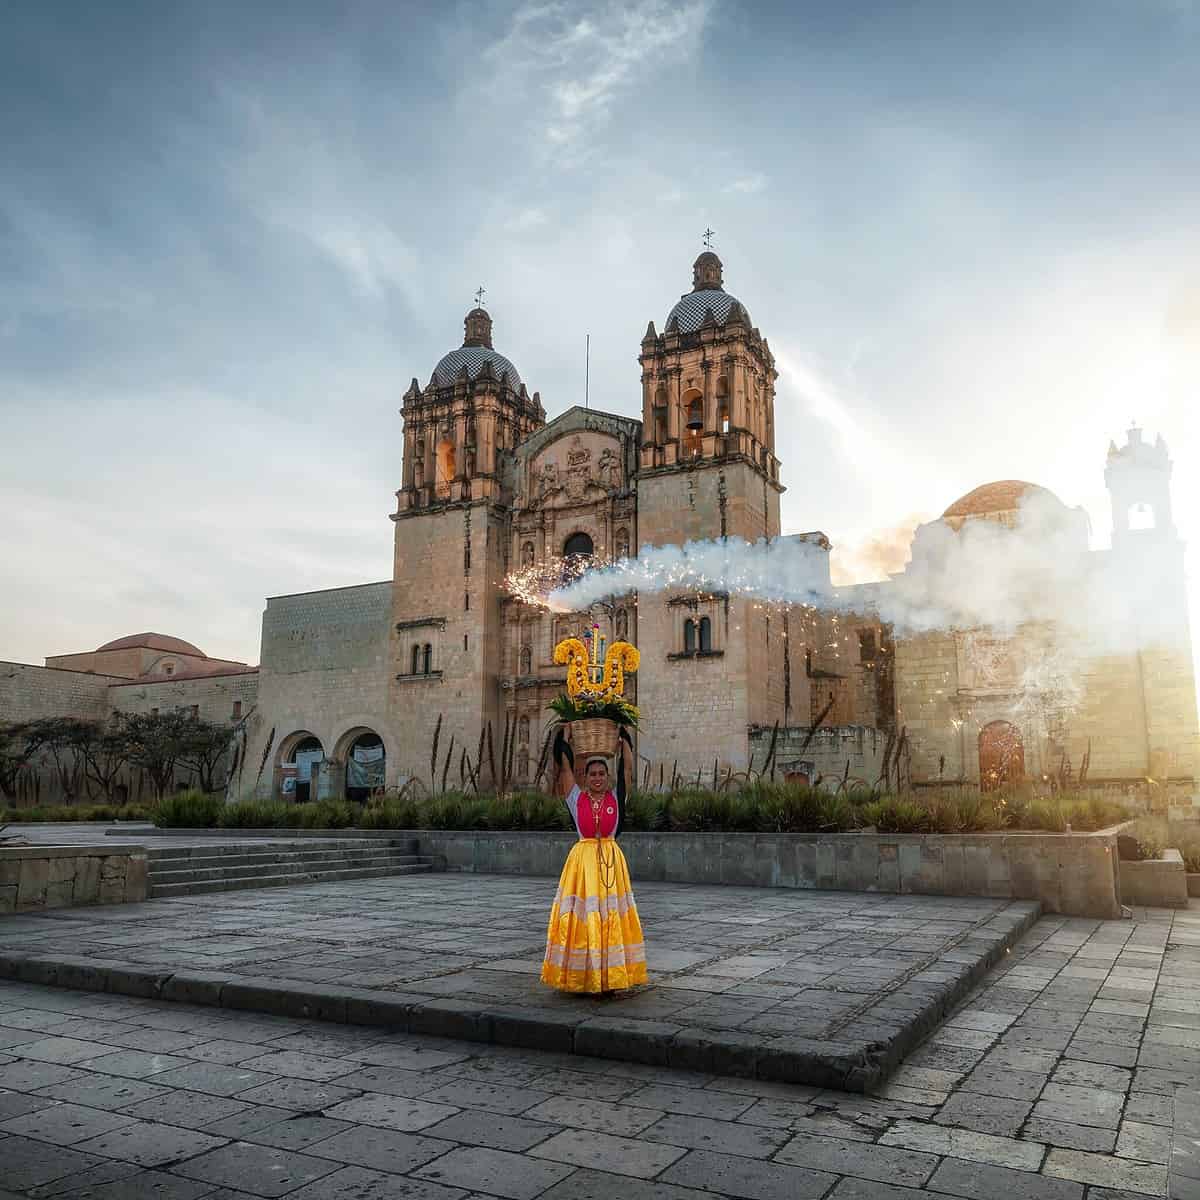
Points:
[(281, 866), (215, 849), (231, 861), (240, 883)]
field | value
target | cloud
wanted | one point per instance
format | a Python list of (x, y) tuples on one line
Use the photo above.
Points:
[(580, 59), (526, 220), (747, 185)]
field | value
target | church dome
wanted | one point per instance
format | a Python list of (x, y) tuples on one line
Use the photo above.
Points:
[(1005, 495), (475, 351), (708, 294), (153, 641)]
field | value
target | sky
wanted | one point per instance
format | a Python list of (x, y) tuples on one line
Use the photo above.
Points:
[(232, 233)]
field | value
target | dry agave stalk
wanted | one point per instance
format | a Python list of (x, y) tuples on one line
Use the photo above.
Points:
[(449, 755), (433, 755)]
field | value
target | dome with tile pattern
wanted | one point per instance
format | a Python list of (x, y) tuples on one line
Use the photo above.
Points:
[(475, 351), (708, 295)]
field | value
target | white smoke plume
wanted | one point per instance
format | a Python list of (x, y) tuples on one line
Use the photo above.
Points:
[(984, 575)]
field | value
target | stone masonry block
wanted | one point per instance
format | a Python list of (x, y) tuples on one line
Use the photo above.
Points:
[(31, 888), (87, 881)]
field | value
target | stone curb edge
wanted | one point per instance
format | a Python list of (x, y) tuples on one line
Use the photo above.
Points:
[(846, 1066)]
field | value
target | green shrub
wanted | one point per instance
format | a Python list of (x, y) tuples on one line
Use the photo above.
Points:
[(189, 810), (1048, 815), (76, 812), (453, 810), (526, 810), (392, 812), (327, 814), (262, 814), (789, 808), (700, 810), (645, 811)]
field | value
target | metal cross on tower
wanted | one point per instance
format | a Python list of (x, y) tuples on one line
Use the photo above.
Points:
[(709, 234), (480, 292)]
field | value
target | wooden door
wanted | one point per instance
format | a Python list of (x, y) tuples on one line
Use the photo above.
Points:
[(1001, 755)]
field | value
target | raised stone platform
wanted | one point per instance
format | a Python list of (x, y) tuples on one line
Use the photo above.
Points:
[(808, 987)]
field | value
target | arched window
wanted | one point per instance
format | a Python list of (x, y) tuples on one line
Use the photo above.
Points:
[(428, 658), (578, 543), (526, 660), (1141, 516), (695, 415), (622, 543), (527, 554), (705, 634), (622, 624), (445, 464), (689, 636), (523, 732), (416, 659), (660, 415), (723, 404)]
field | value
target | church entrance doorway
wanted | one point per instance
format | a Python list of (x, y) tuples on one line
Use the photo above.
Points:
[(1001, 756)]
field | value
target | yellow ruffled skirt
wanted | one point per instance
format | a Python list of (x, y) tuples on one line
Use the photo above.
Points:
[(594, 940)]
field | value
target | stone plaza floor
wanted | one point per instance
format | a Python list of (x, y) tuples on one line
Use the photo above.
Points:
[(1069, 1072), (841, 983)]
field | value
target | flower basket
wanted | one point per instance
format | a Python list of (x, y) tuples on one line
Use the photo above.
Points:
[(593, 736)]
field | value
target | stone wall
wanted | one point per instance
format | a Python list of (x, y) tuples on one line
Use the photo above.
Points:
[(220, 699), (827, 754), (39, 877), (325, 673), (28, 693), (1073, 874)]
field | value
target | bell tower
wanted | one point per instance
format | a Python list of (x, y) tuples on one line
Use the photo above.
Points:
[(708, 407), (451, 528), (707, 470), (1138, 477)]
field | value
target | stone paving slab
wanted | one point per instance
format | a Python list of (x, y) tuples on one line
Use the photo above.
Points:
[(825, 988), (360, 1113)]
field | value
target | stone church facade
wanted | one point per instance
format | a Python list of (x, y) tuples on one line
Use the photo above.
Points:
[(354, 681)]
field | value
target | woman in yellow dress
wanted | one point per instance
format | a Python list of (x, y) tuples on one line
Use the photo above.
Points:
[(594, 941)]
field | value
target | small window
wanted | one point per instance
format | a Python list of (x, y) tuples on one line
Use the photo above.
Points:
[(689, 636), (866, 645), (428, 658), (416, 660), (465, 643), (705, 635), (237, 710), (466, 601), (1141, 516)]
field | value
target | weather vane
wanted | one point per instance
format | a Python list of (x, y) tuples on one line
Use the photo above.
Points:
[(708, 237), (480, 292)]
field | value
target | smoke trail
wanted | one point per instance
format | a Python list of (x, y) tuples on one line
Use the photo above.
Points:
[(986, 574)]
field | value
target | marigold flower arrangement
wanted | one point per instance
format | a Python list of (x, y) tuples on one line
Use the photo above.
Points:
[(596, 690)]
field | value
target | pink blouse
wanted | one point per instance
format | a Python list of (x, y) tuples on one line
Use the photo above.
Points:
[(579, 805)]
